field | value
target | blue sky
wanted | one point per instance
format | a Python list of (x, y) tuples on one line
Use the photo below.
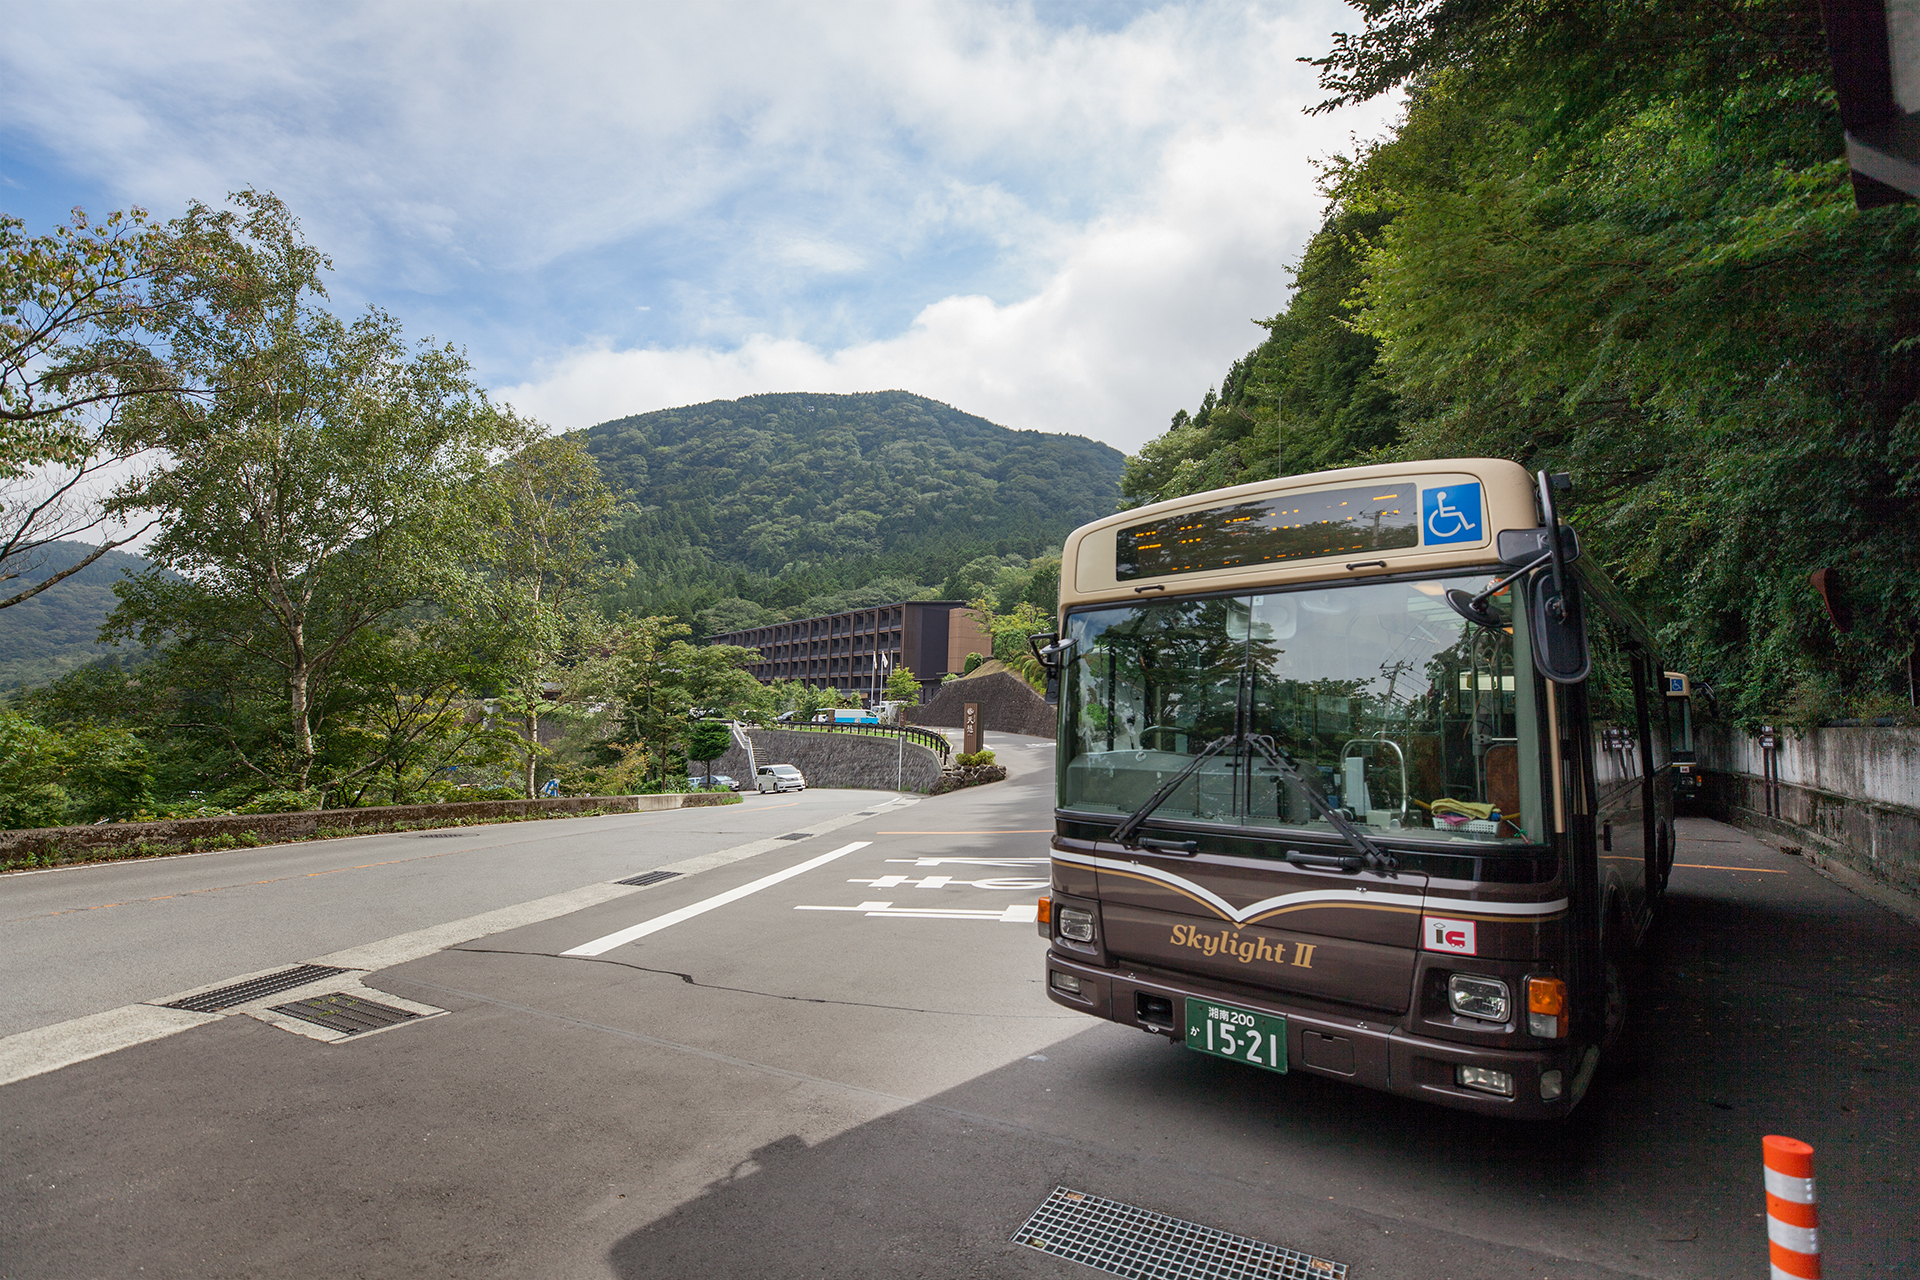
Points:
[(1059, 215)]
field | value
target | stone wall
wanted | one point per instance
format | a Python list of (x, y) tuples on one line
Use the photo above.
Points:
[(1008, 704), (52, 845), (837, 760), (1851, 795)]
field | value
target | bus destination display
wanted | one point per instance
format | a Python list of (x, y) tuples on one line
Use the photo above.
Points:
[(1305, 526)]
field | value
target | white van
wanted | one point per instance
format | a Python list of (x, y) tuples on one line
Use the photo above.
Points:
[(779, 777)]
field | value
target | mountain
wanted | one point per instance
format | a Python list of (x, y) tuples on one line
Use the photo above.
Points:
[(777, 498), (43, 638)]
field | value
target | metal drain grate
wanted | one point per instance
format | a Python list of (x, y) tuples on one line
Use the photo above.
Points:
[(254, 988), (346, 1013), (1125, 1241), (651, 877), (796, 835), (441, 835)]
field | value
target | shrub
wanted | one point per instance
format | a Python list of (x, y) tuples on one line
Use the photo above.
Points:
[(974, 759)]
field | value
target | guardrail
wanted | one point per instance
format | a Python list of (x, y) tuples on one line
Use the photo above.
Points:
[(936, 742)]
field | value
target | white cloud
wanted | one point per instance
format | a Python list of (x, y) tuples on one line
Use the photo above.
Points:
[(1142, 313), (1063, 229)]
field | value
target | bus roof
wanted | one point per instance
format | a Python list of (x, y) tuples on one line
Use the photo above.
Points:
[(1329, 526)]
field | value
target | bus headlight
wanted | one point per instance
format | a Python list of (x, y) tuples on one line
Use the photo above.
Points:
[(1076, 925), (1482, 998)]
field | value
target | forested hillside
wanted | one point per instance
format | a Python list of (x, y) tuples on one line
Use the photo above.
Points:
[(43, 638), (369, 584), (782, 499), (1618, 241)]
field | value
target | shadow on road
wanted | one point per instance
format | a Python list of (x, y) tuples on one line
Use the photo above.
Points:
[(1784, 1006)]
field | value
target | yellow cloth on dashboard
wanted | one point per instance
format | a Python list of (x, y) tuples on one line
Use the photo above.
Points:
[(1462, 808)]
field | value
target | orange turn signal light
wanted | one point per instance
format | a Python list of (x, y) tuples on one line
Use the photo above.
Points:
[(1046, 910), (1547, 1008)]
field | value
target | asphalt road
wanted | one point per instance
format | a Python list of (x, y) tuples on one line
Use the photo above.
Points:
[(834, 1057)]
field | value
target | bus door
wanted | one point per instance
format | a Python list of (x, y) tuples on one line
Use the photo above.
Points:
[(1236, 910)]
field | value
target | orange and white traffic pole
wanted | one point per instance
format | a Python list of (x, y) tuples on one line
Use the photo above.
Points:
[(1793, 1217)]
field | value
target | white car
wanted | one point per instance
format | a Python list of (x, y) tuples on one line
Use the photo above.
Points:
[(779, 777)]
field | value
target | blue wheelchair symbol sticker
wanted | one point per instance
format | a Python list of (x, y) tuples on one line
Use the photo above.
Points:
[(1451, 514)]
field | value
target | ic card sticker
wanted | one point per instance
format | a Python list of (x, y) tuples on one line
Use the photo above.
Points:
[(1451, 513), (1442, 934)]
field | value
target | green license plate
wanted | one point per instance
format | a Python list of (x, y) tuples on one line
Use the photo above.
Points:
[(1257, 1039)]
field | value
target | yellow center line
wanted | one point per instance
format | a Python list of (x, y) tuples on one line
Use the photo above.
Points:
[(1702, 866)]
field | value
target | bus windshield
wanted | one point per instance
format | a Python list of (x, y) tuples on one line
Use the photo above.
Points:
[(1397, 711)]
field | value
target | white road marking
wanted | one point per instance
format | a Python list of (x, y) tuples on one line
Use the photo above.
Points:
[(61, 1044), (1018, 913), (973, 862), (1005, 884), (600, 946)]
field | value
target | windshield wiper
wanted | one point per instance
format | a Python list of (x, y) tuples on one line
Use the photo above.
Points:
[(1124, 833), (1371, 855)]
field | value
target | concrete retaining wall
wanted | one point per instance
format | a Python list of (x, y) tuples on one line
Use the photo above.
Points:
[(1851, 795), (836, 760), (51, 845)]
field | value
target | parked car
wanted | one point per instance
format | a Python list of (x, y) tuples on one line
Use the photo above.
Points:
[(779, 777), (719, 780)]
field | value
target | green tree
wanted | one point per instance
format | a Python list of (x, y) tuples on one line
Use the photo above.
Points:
[(734, 614), (537, 568), (319, 473), (80, 341), (411, 719), (51, 776), (1619, 241), (903, 685), (32, 763), (707, 741), (1010, 631), (665, 685)]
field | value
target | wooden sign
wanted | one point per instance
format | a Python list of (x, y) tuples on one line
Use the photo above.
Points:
[(970, 729)]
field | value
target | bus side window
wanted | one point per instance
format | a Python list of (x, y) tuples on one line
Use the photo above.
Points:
[(1610, 701), (1660, 731)]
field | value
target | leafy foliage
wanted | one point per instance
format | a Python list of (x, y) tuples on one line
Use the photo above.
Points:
[(53, 632), (315, 467), (80, 342), (902, 685), (1620, 241), (794, 502)]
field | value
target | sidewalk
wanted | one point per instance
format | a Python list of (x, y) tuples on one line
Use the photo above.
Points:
[(1781, 1002)]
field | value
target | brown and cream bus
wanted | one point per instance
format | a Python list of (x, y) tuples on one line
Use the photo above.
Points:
[(1362, 773)]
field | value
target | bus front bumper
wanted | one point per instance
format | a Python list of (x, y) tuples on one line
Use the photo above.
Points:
[(1374, 1053)]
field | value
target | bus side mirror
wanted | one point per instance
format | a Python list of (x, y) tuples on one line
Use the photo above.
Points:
[(1558, 628), (1520, 548), (1048, 657)]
